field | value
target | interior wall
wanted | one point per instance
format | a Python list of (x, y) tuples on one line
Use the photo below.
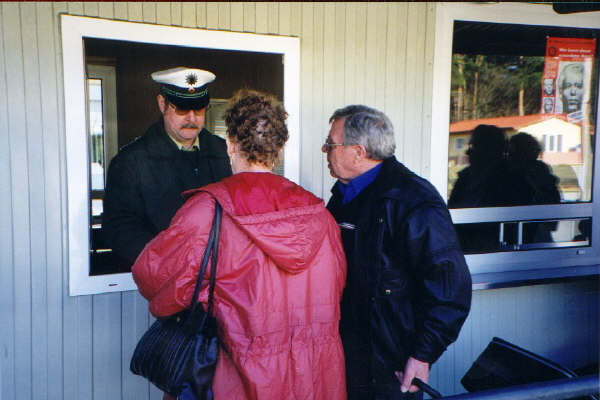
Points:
[(53, 346)]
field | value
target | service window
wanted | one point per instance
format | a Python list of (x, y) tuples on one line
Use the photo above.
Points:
[(520, 113), (101, 115)]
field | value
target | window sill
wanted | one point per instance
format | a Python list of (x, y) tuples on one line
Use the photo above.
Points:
[(496, 280)]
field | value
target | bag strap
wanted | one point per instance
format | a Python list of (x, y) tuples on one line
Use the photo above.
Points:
[(212, 246), (214, 257)]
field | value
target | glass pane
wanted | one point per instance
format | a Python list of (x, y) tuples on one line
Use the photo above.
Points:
[(523, 115), (524, 235), (96, 138)]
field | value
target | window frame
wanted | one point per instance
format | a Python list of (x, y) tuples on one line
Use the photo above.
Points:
[(73, 30), (493, 269)]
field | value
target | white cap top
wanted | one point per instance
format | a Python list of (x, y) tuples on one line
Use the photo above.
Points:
[(183, 77)]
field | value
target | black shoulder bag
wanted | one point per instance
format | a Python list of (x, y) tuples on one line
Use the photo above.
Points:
[(180, 352)]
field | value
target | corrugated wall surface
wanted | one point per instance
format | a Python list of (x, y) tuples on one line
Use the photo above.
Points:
[(58, 347)]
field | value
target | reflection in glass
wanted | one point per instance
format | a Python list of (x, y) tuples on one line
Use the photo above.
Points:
[(491, 237), (101, 259), (96, 134), (497, 80)]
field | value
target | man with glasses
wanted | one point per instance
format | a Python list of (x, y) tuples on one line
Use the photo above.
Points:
[(146, 178), (408, 288)]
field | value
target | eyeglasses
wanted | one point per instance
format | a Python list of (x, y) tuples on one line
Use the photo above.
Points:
[(327, 146), (181, 112)]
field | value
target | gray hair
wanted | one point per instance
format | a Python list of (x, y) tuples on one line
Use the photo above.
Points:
[(369, 128), (570, 68)]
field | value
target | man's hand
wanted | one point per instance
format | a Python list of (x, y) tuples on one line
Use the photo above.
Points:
[(413, 368)]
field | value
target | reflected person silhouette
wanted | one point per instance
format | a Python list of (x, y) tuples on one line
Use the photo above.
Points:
[(523, 153), (481, 184), (487, 182)]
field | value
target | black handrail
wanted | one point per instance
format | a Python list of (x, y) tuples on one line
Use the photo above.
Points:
[(550, 390)]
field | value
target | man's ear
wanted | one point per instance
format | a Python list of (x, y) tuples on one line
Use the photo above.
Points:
[(361, 152), (162, 104)]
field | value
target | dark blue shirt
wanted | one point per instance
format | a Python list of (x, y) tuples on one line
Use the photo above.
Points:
[(353, 188)]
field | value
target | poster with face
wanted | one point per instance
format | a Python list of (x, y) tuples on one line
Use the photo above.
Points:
[(567, 76), (570, 86)]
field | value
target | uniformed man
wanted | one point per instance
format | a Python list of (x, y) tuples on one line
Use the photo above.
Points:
[(146, 178)]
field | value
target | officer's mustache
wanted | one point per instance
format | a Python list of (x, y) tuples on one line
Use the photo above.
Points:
[(190, 126)]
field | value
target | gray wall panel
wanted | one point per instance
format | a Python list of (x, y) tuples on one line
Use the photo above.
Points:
[(7, 297), (35, 168), (76, 7), (135, 321), (58, 347), (557, 321), (106, 334), (17, 132), (51, 181)]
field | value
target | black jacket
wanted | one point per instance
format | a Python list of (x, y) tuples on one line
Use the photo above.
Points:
[(408, 289), (144, 185)]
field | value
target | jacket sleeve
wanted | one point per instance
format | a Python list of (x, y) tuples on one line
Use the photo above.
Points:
[(167, 269), (123, 219), (443, 282)]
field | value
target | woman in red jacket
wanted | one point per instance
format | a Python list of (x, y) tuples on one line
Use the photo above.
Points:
[(280, 274)]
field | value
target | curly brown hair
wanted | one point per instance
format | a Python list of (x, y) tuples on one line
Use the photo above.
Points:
[(256, 122)]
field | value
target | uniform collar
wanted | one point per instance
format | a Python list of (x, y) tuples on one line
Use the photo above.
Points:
[(195, 145)]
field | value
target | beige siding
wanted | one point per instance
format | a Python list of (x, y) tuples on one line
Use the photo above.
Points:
[(53, 346)]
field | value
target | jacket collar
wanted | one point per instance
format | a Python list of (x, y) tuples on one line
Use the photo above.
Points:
[(391, 178)]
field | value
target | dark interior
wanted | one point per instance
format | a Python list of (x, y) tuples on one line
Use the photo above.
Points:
[(136, 91), (493, 38)]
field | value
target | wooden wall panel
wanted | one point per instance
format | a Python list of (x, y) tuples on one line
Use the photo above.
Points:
[(107, 10), (121, 10), (212, 15), (412, 88), (17, 133), (201, 15), (53, 346), (557, 321), (106, 334), (149, 12), (52, 208), (249, 17), (188, 15), (224, 16), (90, 9), (261, 17), (237, 17), (307, 120), (36, 190), (7, 297), (76, 7), (318, 126)]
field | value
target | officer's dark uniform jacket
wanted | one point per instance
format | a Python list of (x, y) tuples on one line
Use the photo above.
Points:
[(408, 289), (145, 181)]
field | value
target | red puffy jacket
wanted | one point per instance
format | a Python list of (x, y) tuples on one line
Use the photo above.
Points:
[(280, 275)]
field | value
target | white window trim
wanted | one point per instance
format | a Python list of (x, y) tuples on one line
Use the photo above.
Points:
[(513, 13), (74, 30)]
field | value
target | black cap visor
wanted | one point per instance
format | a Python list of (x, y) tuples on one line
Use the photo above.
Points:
[(184, 99)]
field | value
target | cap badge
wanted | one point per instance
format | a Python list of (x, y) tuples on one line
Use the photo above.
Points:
[(191, 79)]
